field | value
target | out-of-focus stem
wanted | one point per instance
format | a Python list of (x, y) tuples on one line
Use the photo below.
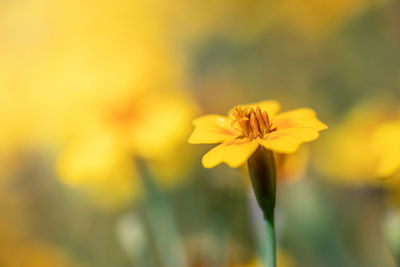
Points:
[(161, 223), (391, 230)]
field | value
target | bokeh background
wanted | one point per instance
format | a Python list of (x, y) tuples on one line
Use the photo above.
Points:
[(97, 100)]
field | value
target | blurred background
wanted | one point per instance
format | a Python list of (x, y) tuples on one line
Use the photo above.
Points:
[(97, 100)]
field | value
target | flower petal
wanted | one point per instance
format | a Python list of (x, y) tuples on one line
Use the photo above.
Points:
[(288, 140), (98, 165), (301, 117), (234, 153), (272, 107), (210, 129), (386, 142), (291, 167)]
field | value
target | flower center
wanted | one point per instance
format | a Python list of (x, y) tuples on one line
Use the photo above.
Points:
[(251, 123)]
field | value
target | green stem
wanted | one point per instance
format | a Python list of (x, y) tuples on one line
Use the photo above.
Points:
[(391, 229), (262, 172), (161, 222), (270, 244)]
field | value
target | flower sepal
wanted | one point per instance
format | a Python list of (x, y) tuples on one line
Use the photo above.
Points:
[(262, 171)]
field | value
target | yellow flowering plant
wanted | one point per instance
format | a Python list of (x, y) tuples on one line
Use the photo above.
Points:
[(364, 150), (249, 126), (100, 156), (97, 101), (251, 133), (364, 146)]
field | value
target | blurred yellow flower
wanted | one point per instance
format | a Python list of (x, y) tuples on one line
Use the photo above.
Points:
[(291, 167), (364, 146), (249, 126), (101, 157), (62, 59), (102, 83), (386, 141)]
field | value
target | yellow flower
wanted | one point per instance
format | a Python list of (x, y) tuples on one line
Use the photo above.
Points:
[(65, 65), (248, 126), (364, 146), (98, 101), (100, 158)]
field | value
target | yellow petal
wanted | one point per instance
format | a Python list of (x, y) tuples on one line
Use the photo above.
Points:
[(210, 129), (161, 124), (291, 167), (98, 165), (272, 107), (288, 140), (302, 117), (234, 153), (386, 141)]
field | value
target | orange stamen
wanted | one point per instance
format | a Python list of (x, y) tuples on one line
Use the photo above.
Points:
[(251, 123)]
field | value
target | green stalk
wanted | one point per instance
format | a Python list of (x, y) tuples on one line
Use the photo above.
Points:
[(391, 230), (271, 244), (162, 226), (262, 172)]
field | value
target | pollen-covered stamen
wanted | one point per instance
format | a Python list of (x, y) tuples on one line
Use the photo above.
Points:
[(260, 119), (251, 123)]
